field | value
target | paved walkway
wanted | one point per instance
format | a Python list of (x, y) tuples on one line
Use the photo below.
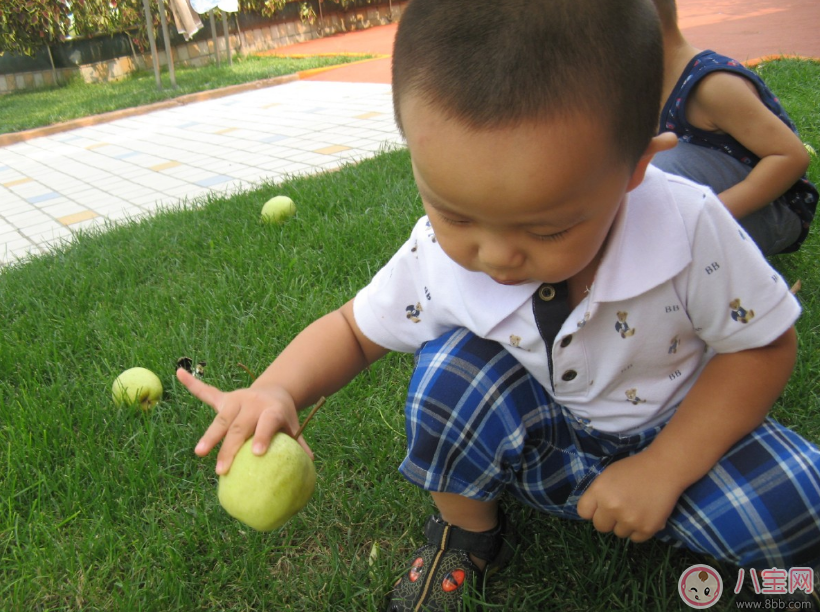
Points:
[(53, 185), (752, 29)]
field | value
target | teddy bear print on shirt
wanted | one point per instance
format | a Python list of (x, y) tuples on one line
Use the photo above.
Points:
[(632, 396), (515, 342), (414, 312), (740, 314), (622, 327)]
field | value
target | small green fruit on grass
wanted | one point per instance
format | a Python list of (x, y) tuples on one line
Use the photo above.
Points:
[(137, 385), (278, 210), (265, 491)]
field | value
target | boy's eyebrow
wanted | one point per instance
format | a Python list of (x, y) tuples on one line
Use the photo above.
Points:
[(437, 205), (570, 220), (426, 195), (432, 201)]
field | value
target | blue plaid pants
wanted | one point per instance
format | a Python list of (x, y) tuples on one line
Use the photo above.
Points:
[(478, 424)]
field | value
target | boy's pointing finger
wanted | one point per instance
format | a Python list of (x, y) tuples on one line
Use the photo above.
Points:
[(200, 390)]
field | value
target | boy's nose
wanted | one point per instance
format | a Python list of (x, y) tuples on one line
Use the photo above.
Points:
[(500, 255)]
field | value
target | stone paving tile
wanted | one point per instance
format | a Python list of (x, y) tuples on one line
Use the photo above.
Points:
[(54, 185)]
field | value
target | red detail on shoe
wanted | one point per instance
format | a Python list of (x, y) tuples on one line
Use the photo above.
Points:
[(453, 580), (415, 569)]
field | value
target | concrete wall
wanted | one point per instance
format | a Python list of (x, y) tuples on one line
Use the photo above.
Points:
[(202, 53)]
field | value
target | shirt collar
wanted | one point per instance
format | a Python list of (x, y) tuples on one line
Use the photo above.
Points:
[(486, 303), (648, 244)]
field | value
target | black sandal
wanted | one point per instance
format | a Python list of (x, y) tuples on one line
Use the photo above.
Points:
[(441, 570)]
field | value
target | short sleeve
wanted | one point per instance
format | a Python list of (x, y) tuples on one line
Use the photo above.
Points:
[(735, 299), (404, 305)]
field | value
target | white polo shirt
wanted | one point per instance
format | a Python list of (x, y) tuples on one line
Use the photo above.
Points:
[(679, 282)]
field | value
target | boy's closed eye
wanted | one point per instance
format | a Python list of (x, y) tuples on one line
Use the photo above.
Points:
[(535, 233), (549, 237), (535, 230), (454, 220)]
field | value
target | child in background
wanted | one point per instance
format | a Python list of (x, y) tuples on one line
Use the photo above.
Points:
[(594, 338), (736, 138)]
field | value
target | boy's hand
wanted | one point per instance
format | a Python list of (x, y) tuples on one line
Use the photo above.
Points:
[(634, 497), (241, 414), (630, 498)]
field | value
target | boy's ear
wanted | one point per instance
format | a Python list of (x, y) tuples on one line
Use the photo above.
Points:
[(661, 142)]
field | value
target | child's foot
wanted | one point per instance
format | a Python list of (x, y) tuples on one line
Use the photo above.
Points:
[(453, 560)]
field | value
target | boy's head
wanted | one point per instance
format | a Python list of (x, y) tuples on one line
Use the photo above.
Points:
[(491, 64), (527, 123)]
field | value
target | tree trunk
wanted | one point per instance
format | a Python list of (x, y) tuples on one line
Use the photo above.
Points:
[(53, 67)]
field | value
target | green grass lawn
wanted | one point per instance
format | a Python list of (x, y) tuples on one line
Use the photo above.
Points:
[(105, 508), (30, 109)]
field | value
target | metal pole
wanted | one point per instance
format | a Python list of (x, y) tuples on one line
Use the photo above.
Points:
[(227, 37), (169, 56), (149, 25), (213, 36)]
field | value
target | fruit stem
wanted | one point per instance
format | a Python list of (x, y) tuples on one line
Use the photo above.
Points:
[(310, 416), (244, 367)]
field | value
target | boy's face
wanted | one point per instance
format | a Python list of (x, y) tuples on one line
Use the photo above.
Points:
[(528, 203)]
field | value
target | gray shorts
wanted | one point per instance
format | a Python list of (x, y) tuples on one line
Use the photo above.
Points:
[(773, 228)]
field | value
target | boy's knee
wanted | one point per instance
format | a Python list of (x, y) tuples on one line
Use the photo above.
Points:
[(762, 500), (460, 362), (459, 341)]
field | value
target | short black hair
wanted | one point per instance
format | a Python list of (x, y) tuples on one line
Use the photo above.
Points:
[(493, 64)]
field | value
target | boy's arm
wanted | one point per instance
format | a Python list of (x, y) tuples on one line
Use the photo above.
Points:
[(634, 497), (322, 359), (727, 103)]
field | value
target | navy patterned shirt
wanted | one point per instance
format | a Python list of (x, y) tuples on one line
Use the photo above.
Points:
[(802, 197)]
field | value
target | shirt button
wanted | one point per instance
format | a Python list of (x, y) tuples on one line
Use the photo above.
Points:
[(546, 292), (565, 341), (569, 375)]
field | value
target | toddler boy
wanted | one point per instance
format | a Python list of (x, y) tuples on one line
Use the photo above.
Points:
[(593, 337), (736, 138)]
